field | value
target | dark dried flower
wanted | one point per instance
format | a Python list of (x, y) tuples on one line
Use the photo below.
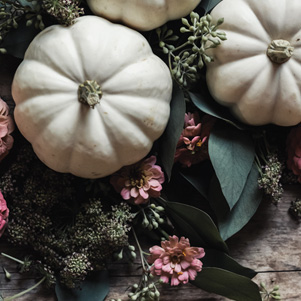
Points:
[(295, 209), (270, 175), (64, 11), (77, 233)]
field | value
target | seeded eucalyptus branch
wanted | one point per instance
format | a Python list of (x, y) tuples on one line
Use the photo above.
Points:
[(188, 58), (12, 12)]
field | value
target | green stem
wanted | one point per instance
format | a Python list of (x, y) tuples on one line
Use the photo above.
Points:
[(12, 258), (145, 269), (26, 291), (280, 51), (89, 93), (165, 234)]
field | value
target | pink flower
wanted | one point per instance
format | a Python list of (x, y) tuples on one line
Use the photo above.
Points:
[(293, 148), (138, 182), (3, 214), (6, 128), (176, 260), (192, 147)]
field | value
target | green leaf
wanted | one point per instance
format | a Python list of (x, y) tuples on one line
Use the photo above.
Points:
[(218, 259), (208, 5), (17, 40), (26, 3), (241, 213), (232, 154), (94, 288), (217, 200), (205, 102), (169, 139), (227, 284), (199, 176), (196, 225)]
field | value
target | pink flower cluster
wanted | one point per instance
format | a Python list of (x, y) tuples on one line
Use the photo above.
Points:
[(293, 148), (138, 182), (6, 128), (192, 147), (3, 214), (176, 260)]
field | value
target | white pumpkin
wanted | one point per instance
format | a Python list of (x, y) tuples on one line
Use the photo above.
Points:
[(129, 100), (257, 70), (142, 14)]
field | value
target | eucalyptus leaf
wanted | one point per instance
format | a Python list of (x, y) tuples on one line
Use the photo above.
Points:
[(208, 5), (17, 40), (241, 213), (205, 102), (26, 3), (217, 200), (169, 139), (227, 284), (218, 259), (196, 225), (199, 176), (232, 154), (94, 288)]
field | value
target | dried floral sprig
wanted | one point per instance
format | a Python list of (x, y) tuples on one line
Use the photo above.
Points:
[(12, 12), (268, 295), (77, 233), (187, 59), (64, 11), (22, 263), (270, 176), (295, 209), (147, 288), (270, 167)]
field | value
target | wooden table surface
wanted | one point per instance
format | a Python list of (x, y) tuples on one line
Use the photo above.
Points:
[(270, 244)]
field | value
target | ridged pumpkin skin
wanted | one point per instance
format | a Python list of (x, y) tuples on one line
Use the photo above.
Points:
[(72, 137), (142, 14), (243, 77)]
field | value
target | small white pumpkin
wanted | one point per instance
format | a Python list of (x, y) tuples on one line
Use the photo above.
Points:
[(142, 14), (257, 70), (113, 68)]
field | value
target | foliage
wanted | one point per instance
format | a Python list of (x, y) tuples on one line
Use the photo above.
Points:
[(78, 233), (228, 284), (185, 60), (168, 141), (269, 295), (21, 21), (83, 224)]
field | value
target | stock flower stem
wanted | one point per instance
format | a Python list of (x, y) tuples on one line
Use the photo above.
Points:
[(140, 251), (12, 258), (26, 291), (165, 235)]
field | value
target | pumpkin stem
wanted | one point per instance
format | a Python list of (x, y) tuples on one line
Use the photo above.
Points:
[(280, 51), (89, 93)]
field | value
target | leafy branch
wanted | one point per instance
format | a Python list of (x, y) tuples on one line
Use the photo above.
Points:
[(188, 58), (14, 13)]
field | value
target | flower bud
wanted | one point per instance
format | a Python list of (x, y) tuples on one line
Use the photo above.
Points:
[(159, 208), (135, 286), (7, 274), (131, 248)]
